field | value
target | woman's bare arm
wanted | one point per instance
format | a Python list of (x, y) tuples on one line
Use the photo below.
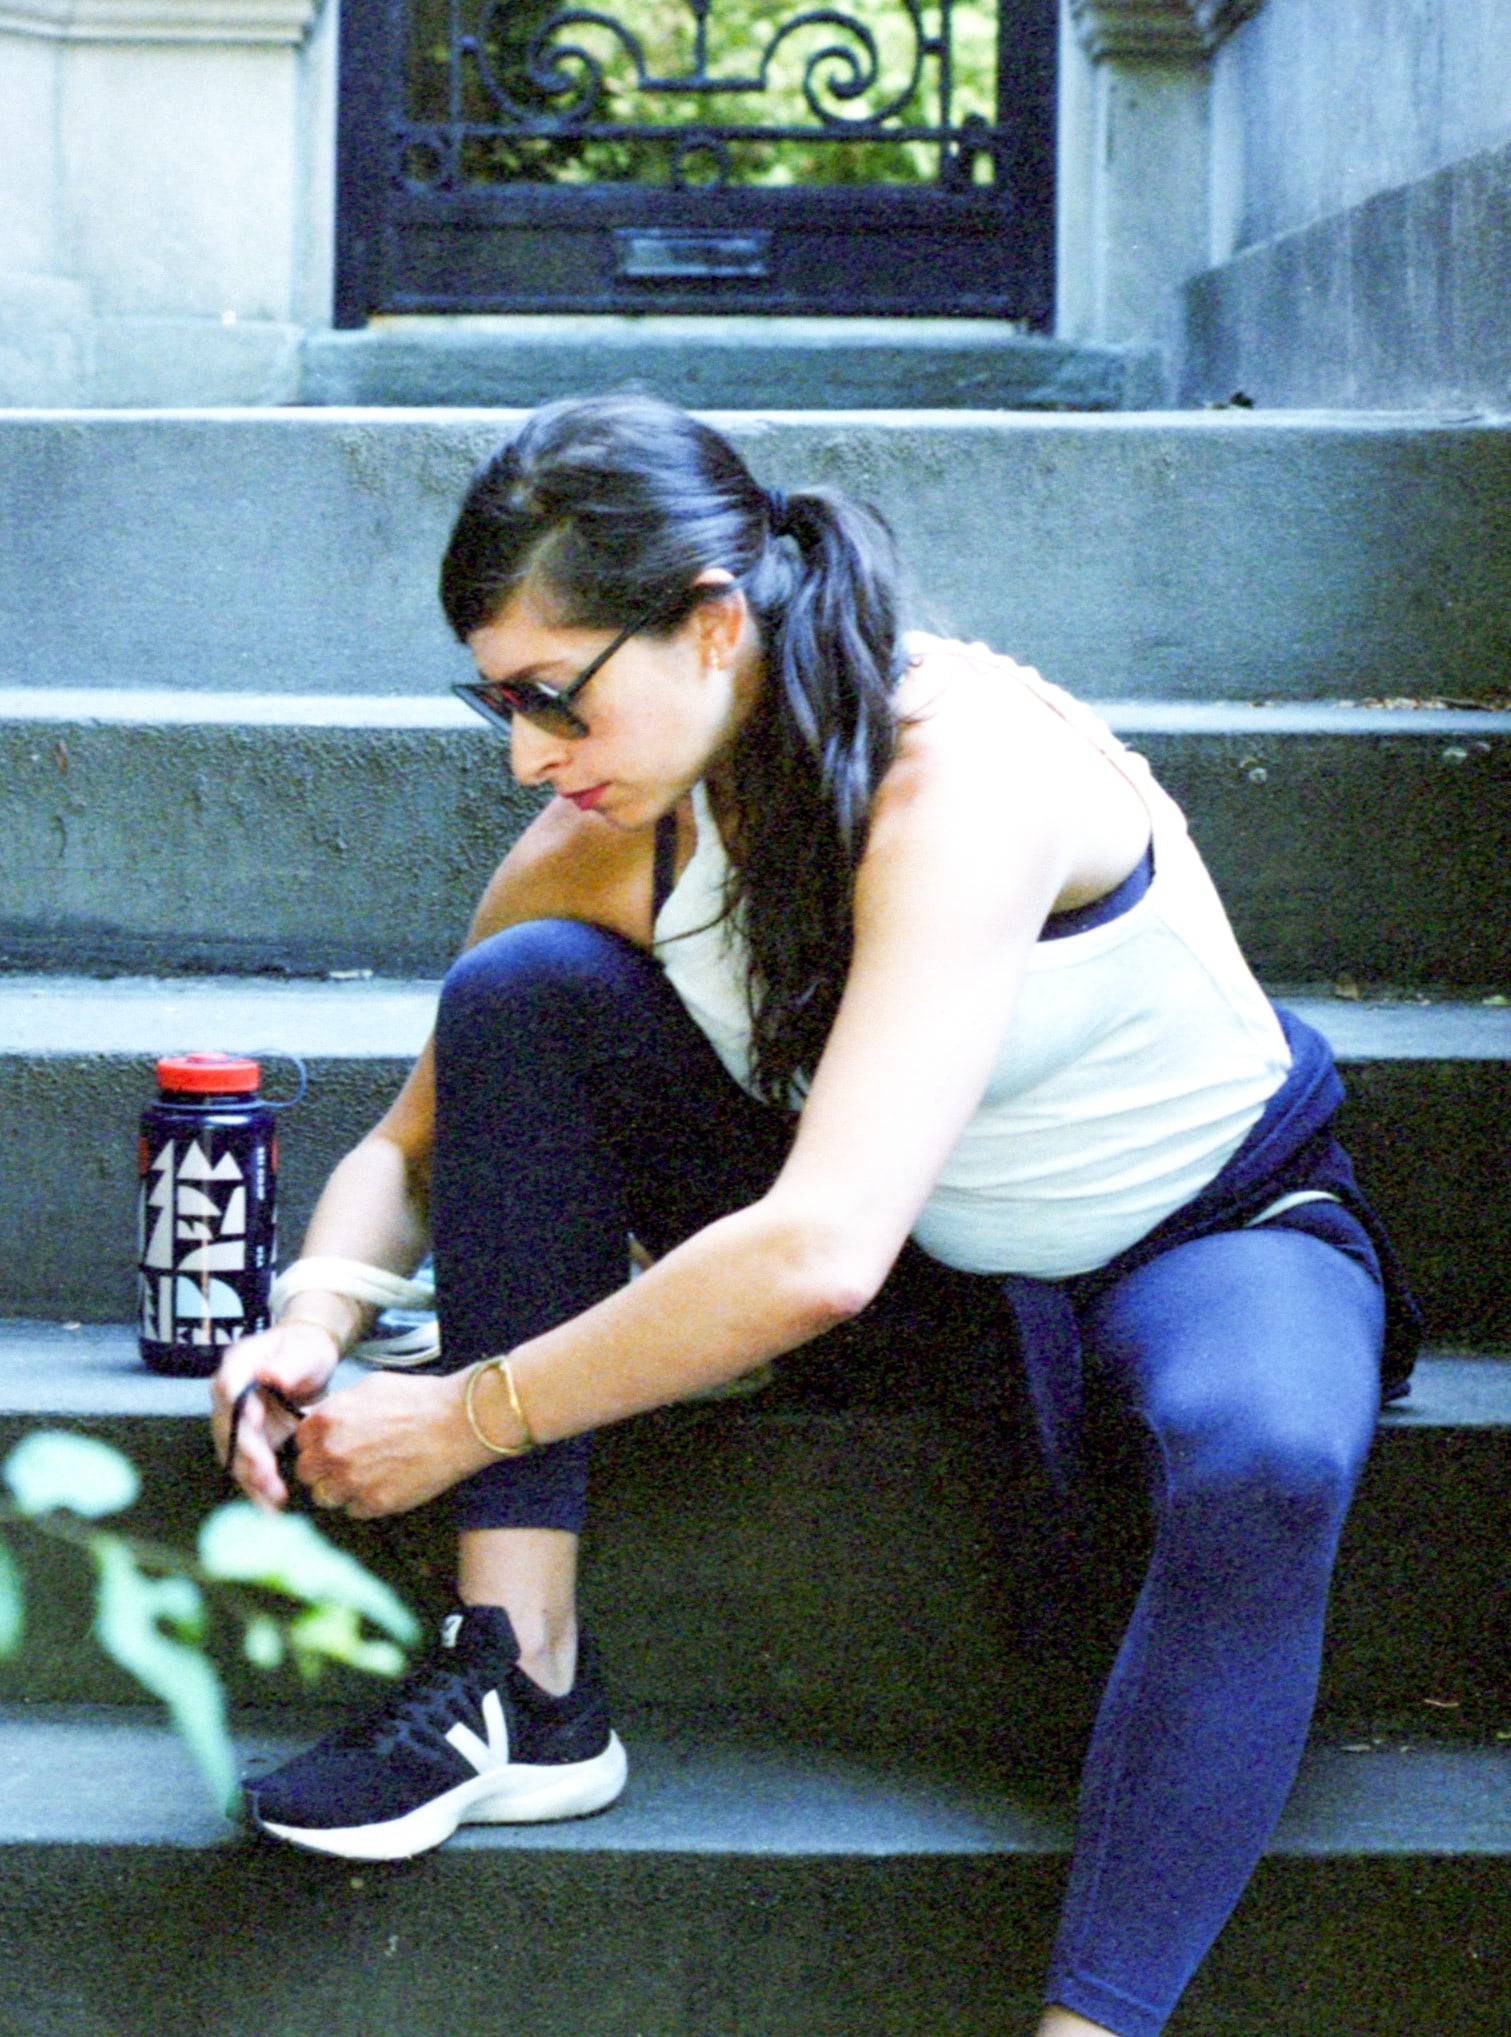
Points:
[(974, 837)]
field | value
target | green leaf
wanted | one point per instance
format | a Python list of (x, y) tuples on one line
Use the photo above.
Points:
[(334, 1633), (12, 1604), (243, 1544), (53, 1468), (179, 1603), (262, 1643), (128, 1611)]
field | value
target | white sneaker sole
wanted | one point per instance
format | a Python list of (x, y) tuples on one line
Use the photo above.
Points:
[(516, 1795)]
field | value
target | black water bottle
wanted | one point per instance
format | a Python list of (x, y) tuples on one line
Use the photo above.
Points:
[(206, 1216)]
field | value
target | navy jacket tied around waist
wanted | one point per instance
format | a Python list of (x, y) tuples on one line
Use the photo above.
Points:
[(1291, 1150)]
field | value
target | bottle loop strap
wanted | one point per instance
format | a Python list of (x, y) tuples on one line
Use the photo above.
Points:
[(375, 1285), (283, 1054)]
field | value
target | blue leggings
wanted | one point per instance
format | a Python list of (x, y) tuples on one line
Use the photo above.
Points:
[(577, 1103)]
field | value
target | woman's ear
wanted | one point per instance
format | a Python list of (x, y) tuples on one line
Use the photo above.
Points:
[(720, 620)]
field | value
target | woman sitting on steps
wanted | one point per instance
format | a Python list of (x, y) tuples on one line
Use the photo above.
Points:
[(831, 938)]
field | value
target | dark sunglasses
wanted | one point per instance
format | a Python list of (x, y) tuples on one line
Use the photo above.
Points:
[(549, 707)]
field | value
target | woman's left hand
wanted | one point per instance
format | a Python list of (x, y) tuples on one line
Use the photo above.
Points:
[(386, 1445)]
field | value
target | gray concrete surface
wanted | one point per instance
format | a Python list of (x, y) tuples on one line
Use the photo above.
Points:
[(707, 1787), (1424, 1126), (154, 831), (1183, 556), (677, 1946), (1335, 101), (269, 834), (1373, 855), (1402, 300), (725, 364), (362, 1018), (715, 1788), (170, 174)]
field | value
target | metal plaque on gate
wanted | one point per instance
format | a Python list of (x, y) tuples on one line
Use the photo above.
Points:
[(651, 253)]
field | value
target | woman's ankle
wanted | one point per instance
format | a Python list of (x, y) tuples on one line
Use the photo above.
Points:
[(549, 1656), (532, 1574), (1057, 2022)]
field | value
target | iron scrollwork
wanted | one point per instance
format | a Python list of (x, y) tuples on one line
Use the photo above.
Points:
[(571, 73), (543, 99)]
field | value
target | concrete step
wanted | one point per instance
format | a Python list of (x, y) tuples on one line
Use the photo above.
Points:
[(1187, 555), (176, 831), (1430, 1090), (746, 1886), (725, 364), (723, 1564), (184, 831)]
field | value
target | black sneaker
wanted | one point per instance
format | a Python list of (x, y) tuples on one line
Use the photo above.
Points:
[(467, 1738)]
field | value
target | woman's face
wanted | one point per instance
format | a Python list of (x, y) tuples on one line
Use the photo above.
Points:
[(659, 712)]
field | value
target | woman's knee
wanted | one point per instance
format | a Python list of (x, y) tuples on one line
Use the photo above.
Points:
[(1255, 1362), (1286, 1468), (528, 978), (1295, 1464)]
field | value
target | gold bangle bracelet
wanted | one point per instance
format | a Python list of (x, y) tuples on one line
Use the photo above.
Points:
[(506, 1373), (515, 1408)]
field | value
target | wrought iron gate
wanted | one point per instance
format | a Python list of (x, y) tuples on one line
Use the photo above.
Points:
[(879, 156)]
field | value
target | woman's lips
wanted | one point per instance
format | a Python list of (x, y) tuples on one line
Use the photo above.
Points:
[(586, 801)]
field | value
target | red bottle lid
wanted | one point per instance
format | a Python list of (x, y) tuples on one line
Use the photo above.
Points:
[(209, 1074)]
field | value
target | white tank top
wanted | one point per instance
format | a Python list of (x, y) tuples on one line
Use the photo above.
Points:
[(1138, 1056)]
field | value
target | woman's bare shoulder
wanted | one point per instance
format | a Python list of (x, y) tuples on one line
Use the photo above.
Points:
[(935, 663), (991, 748), (569, 865), (964, 707)]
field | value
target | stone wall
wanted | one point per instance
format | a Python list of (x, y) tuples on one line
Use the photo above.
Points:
[(1402, 302), (1135, 201), (1328, 103), (1361, 210), (166, 169), (1301, 202)]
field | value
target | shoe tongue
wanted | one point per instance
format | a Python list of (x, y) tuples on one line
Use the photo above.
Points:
[(480, 1630)]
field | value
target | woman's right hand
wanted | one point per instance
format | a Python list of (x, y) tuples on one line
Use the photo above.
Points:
[(296, 1358)]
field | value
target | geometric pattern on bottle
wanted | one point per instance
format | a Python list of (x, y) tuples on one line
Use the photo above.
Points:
[(206, 1233)]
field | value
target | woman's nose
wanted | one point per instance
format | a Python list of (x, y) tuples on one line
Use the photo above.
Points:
[(534, 753)]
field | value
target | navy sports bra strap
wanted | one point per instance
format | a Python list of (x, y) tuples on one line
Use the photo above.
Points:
[(1081, 918), (664, 875)]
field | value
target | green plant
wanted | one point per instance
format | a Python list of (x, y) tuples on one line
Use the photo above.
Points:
[(295, 1596)]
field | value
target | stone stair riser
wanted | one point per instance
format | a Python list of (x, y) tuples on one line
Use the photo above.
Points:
[(1429, 1146), (1186, 556), (629, 1946), (246, 1943), (786, 1564), (1385, 858), (1427, 1136), (700, 1948), (1372, 851), (722, 363), (241, 847)]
